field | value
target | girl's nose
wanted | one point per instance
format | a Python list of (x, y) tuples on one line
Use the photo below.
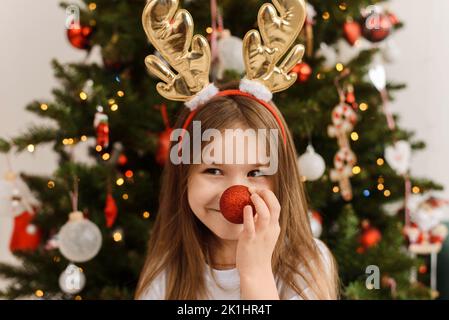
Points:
[(238, 180)]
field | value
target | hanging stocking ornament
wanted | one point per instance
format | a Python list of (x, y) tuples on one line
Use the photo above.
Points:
[(101, 125), (25, 235), (16, 200)]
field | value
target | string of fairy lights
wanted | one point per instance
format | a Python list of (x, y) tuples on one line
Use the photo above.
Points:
[(113, 103), (120, 182)]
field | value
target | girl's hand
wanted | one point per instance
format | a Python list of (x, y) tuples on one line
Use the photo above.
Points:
[(259, 236)]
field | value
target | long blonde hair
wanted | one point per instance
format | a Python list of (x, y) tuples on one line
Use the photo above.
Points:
[(178, 243)]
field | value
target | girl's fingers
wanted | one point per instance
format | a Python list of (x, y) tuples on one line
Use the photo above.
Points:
[(273, 204), (263, 213), (248, 221)]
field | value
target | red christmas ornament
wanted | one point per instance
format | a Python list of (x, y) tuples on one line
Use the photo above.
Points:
[(101, 125), (436, 239), (350, 97), (303, 70), (110, 210), (122, 160), (422, 269), (316, 215), (163, 149), (352, 31), (376, 27), (25, 236), (232, 202), (103, 135), (79, 36), (370, 237)]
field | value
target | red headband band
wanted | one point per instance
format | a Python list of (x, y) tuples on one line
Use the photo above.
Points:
[(234, 92)]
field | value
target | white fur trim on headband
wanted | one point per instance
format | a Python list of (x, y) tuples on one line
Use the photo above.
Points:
[(256, 88), (202, 97)]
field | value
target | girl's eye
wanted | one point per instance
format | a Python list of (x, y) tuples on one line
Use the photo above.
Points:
[(213, 171), (255, 173)]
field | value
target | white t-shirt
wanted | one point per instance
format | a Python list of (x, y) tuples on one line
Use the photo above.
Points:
[(228, 287)]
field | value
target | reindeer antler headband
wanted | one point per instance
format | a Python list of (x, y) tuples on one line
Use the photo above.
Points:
[(170, 30)]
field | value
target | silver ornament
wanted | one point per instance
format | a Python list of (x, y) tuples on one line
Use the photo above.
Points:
[(79, 239), (311, 164), (72, 280)]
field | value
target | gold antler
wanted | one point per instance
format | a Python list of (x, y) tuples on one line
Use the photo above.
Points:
[(170, 31), (278, 34)]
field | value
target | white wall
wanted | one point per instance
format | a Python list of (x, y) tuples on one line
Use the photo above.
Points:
[(424, 66), (33, 34)]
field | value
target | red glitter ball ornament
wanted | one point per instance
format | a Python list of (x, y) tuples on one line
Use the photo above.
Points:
[(232, 202)]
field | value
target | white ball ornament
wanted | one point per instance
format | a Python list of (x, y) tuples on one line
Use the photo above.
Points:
[(72, 280), (311, 164), (316, 224), (79, 239), (230, 56)]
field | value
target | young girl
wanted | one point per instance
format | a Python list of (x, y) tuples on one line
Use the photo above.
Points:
[(193, 251)]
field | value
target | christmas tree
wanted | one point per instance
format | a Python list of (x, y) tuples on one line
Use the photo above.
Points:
[(339, 105)]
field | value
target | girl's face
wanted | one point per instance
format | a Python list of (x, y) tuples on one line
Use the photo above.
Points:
[(207, 182)]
